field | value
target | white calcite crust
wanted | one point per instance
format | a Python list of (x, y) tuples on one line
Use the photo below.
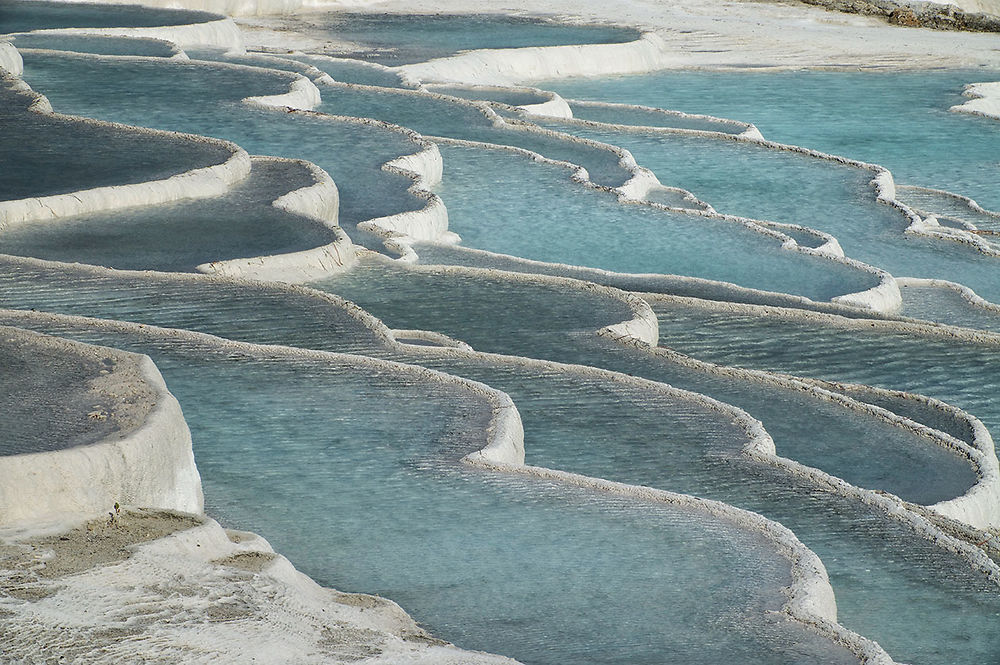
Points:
[(302, 95), (501, 66), (319, 201), (810, 597), (202, 594), (10, 59), (204, 182), (185, 557), (984, 99), (269, 616), (219, 33), (149, 463), (979, 506)]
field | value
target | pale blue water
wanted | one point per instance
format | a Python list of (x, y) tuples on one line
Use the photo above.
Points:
[(206, 305), (103, 45), (951, 211), (17, 16), (371, 456), (674, 199), (509, 97), (593, 427), (182, 235), (882, 584), (897, 119), (546, 321), (204, 98), (947, 306), (548, 324), (400, 39), (793, 188), (445, 537), (963, 374), (250, 59), (50, 155), (943, 204), (435, 116), (538, 213), (644, 117), (346, 70)]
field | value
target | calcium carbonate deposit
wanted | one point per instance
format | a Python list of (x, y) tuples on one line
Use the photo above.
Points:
[(628, 333)]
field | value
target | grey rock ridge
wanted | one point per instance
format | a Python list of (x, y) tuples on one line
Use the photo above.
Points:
[(916, 14)]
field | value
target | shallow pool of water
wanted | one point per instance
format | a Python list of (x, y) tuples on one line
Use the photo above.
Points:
[(397, 39), (945, 305), (962, 373), (205, 98), (897, 119), (18, 16), (367, 457), (762, 183), (620, 114), (101, 45), (180, 236), (437, 116), (53, 155), (554, 321), (283, 444), (580, 425), (508, 204)]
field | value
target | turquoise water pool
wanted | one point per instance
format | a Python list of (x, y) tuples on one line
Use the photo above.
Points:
[(100, 45), (367, 457), (205, 98), (16, 16), (948, 306), (593, 427), (396, 39), (370, 454), (346, 70), (179, 237), (961, 372), (897, 119), (793, 188), (437, 116), (508, 204), (54, 155)]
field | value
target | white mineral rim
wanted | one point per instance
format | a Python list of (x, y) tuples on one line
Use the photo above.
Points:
[(319, 201), (221, 32), (979, 506), (150, 463), (505, 66), (203, 182), (10, 59), (810, 596), (984, 100)]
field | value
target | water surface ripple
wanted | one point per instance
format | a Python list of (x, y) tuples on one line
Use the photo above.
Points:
[(367, 453)]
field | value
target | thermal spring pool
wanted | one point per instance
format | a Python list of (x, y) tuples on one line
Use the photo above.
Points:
[(900, 120), (181, 236), (789, 187), (393, 39), (556, 220), (206, 98), (419, 508), (19, 16), (675, 490), (589, 425)]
